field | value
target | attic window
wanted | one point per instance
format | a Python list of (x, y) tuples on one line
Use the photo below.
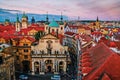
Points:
[(25, 50), (25, 44)]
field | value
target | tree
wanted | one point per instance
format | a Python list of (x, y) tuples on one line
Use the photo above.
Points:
[(39, 34)]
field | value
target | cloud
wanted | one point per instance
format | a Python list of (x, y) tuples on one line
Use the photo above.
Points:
[(83, 8)]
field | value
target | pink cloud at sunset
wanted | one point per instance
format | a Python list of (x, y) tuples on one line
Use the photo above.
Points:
[(86, 9)]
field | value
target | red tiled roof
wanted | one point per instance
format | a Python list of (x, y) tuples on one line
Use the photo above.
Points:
[(86, 64), (102, 60), (73, 26), (96, 33), (117, 44), (29, 38), (86, 38), (70, 33), (105, 77), (104, 40), (25, 31), (6, 28), (112, 44), (34, 25), (86, 28), (85, 60), (86, 69)]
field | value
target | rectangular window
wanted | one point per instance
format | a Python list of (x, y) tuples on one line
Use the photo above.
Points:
[(25, 56), (25, 50), (17, 57), (25, 44)]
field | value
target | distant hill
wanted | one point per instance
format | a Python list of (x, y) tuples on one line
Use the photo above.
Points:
[(11, 14)]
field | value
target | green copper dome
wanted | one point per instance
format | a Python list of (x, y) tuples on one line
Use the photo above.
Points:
[(61, 23), (7, 20), (24, 15), (53, 24), (17, 18)]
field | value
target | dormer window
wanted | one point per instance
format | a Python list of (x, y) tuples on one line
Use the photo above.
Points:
[(25, 44)]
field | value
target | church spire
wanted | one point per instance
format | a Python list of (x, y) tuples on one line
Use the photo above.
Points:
[(78, 18), (61, 17), (47, 17), (24, 16), (32, 20), (17, 18), (97, 19)]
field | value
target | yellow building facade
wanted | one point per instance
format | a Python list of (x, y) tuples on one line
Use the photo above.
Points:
[(23, 54)]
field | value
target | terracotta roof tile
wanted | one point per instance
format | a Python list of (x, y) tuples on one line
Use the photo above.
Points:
[(102, 60), (70, 33), (105, 77)]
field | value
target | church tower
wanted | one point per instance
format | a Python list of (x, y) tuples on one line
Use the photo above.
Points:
[(47, 19), (61, 28), (46, 24), (17, 24), (61, 20), (97, 23), (7, 22), (61, 17), (24, 21), (32, 20)]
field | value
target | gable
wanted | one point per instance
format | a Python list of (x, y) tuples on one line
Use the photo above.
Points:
[(24, 40)]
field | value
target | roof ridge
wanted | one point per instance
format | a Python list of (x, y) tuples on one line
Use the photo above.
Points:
[(101, 67)]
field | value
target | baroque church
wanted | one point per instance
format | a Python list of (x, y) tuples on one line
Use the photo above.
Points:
[(49, 56)]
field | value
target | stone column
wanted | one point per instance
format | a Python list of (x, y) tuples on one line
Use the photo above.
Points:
[(65, 66), (57, 66), (42, 67), (39, 67), (33, 69), (53, 69)]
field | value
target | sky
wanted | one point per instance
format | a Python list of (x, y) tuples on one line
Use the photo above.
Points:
[(85, 9)]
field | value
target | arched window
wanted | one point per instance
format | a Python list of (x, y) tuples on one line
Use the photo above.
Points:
[(65, 52), (52, 30), (42, 51), (61, 28), (57, 52), (61, 66), (36, 67)]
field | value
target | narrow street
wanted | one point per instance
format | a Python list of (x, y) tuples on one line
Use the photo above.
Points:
[(43, 77)]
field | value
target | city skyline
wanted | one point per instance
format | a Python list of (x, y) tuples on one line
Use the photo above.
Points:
[(105, 9)]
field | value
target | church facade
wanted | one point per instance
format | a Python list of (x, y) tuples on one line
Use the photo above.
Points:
[(49, 56)]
